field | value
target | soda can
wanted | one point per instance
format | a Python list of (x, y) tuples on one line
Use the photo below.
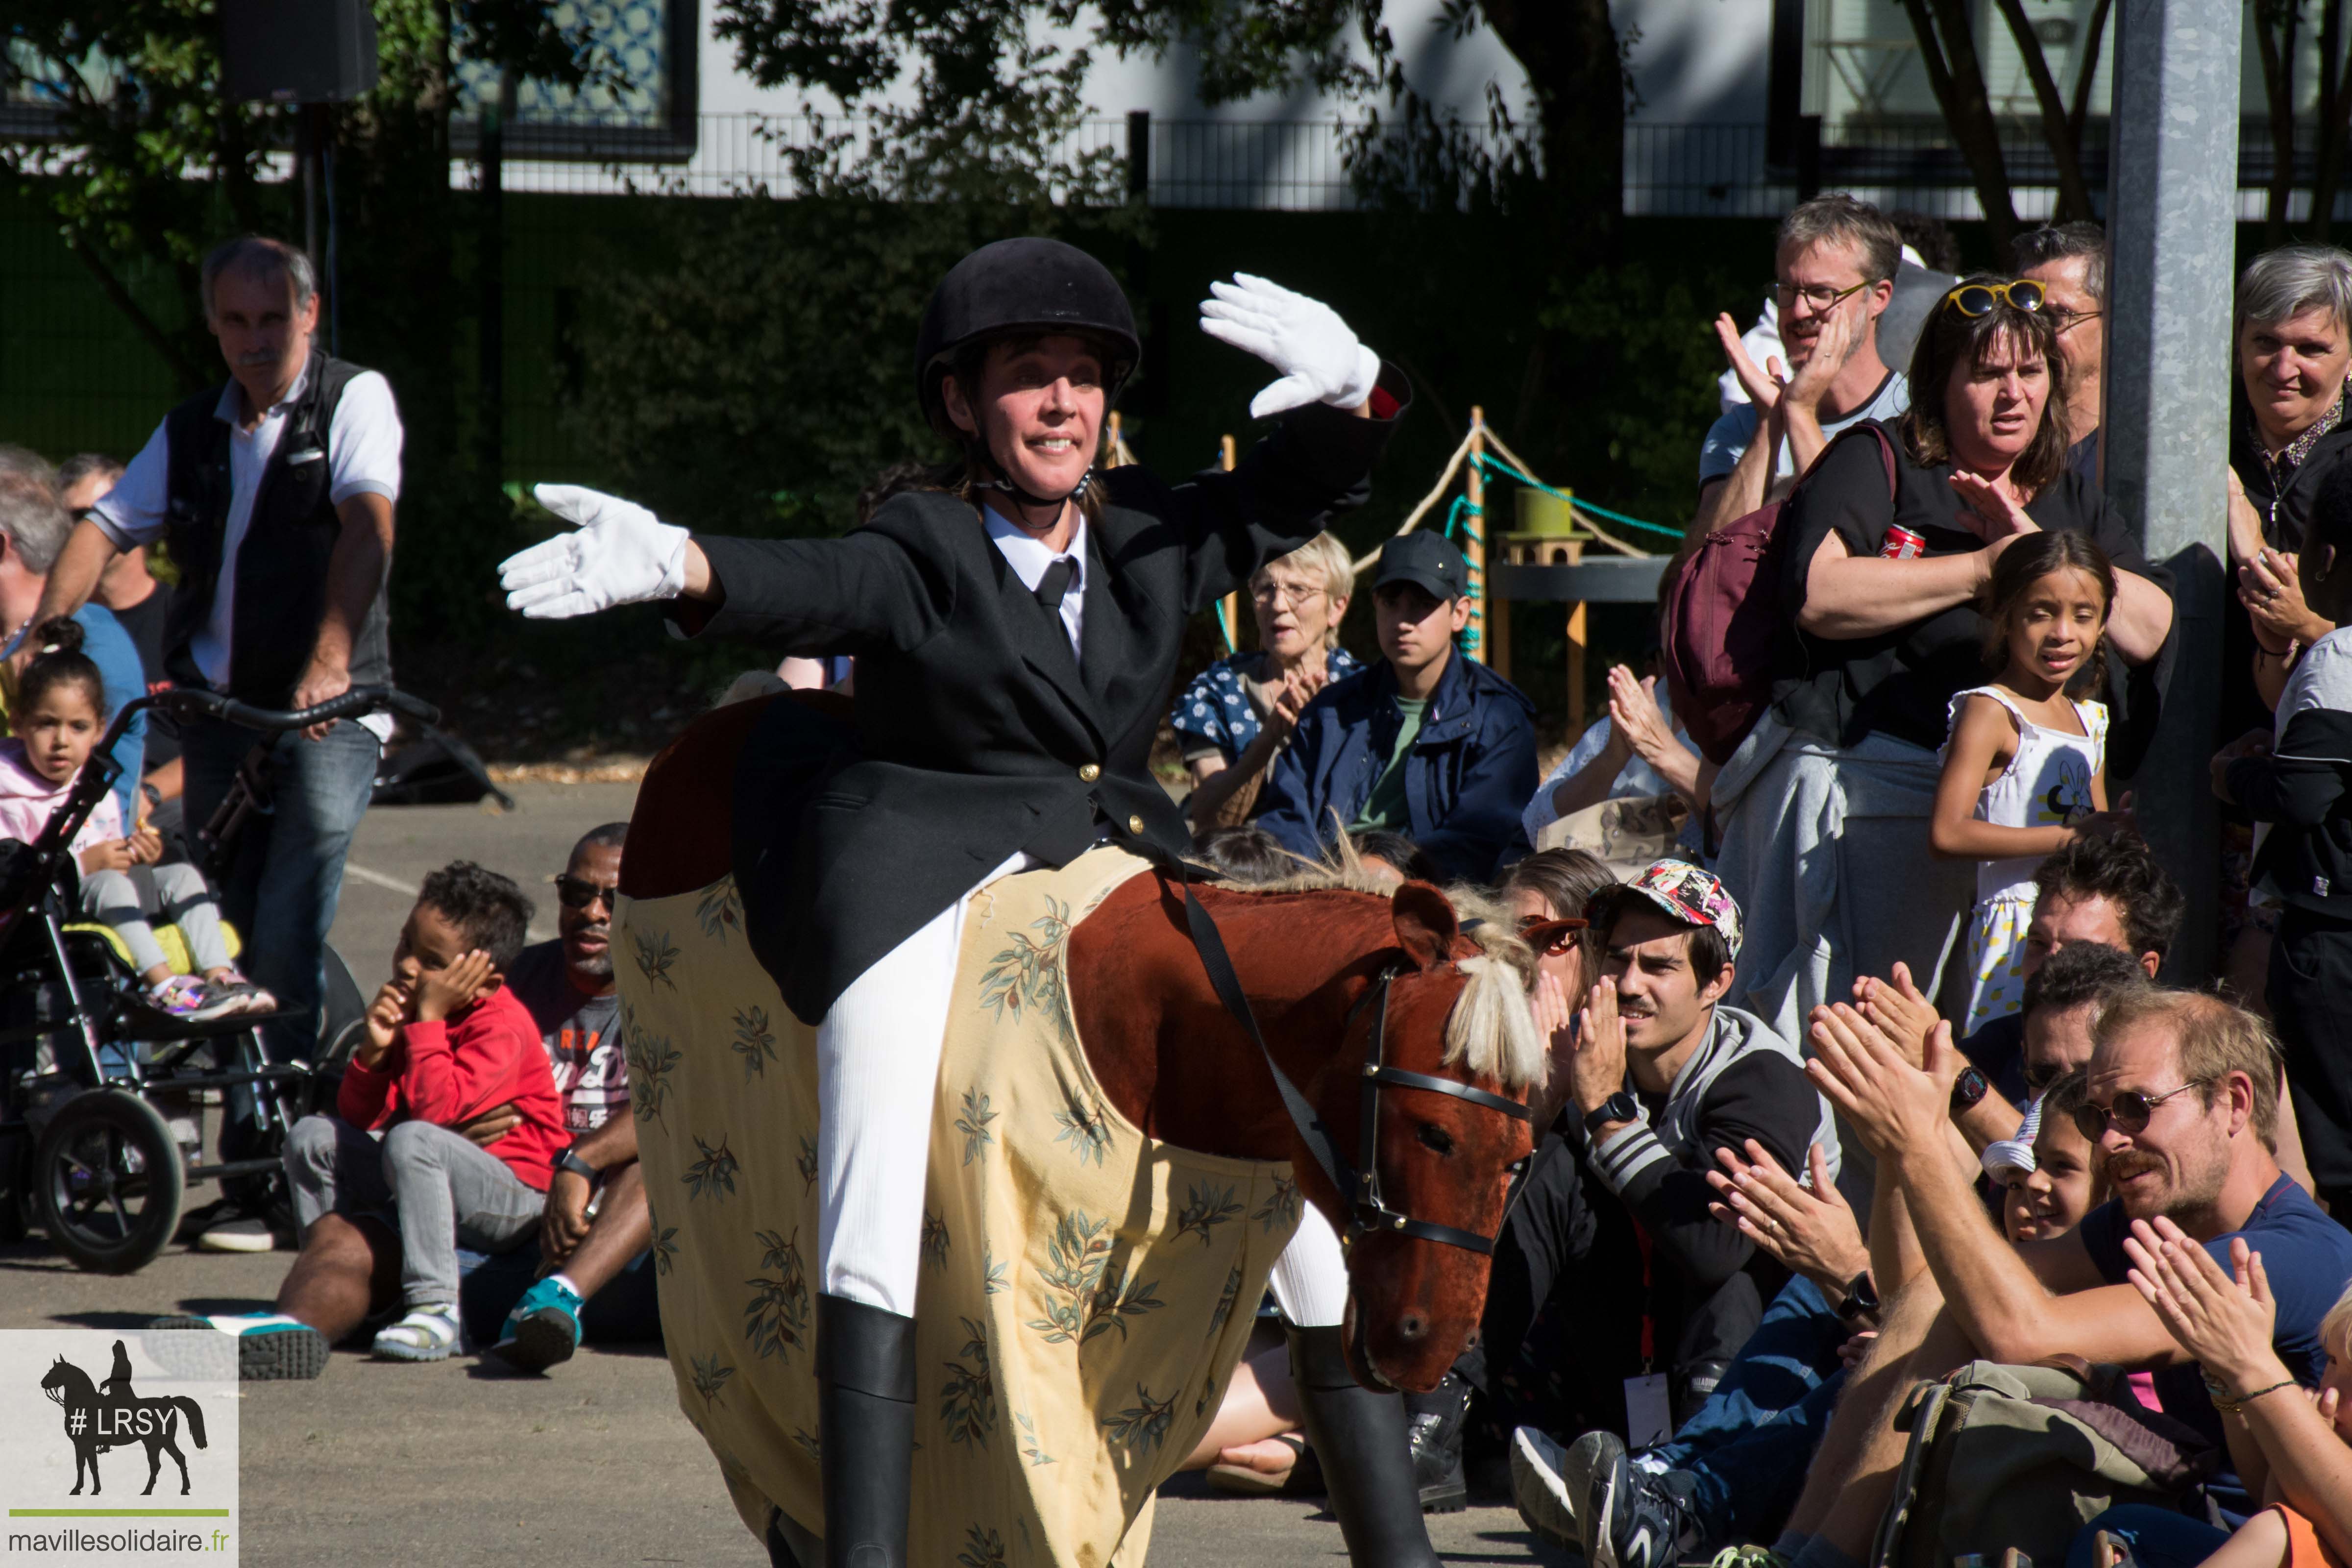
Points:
[(1901, 545)]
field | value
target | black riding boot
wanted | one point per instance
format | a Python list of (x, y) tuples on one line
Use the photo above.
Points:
[(865, 1426), (1367, 1455)]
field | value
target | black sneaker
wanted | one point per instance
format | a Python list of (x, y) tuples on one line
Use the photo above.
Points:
[(1629, 1518), (1438, 1418), (270, 1346)]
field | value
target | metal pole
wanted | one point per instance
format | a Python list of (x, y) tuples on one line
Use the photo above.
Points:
[(2172, 207), (493, 347)]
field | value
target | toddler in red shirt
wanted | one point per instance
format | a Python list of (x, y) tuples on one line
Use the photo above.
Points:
[(447, 1041)]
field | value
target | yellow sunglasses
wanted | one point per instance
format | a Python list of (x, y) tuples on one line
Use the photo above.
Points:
[(1978, 300)]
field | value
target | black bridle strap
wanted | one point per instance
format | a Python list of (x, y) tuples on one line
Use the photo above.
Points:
[(1336, 1167), (1471, 1092), (1370, 1214)]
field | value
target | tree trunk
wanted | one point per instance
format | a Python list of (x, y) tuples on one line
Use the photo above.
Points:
[(1576, 68), (2086, 71), (2057, 128), (2334, 118), (1958, 83), (2278, 89)]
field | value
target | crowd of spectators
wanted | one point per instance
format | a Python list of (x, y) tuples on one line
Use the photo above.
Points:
[(1863, 1074), (1871, 1078)]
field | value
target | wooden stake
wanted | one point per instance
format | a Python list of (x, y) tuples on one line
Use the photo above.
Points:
[(1229, 608), (1111, 443), (1576, 640), (1474, 528)]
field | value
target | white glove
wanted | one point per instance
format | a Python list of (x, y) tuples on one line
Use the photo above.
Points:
[(1319, 358), (622, 554)]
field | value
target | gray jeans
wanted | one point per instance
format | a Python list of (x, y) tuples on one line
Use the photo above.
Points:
[(437, 1188), (112, 898)]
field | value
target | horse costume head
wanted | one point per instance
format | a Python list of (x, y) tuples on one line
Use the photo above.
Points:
[(1427, 1092)]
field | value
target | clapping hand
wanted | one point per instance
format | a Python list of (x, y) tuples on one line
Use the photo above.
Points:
[(2225, 1322), (1760, 383), (1316, 352), (1892, 1104), (1597, 1069), (1634, 714), (2270, 584), (1899, 1011), (1810, 1231), (1298, 689)]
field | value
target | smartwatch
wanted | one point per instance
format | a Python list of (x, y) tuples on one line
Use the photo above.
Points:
[(570, 1159), (1619, 1107), (1967, 1089), (1860, 1299)]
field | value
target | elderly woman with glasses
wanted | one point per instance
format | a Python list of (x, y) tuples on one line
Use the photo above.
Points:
[(1824, 810), (1237, 714)]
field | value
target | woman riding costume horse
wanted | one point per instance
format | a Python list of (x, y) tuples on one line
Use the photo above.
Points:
[(1016, 634)]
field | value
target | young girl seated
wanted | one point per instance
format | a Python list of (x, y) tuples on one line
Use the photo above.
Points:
[(60, 717), (2048, 1197), (2026, 762)]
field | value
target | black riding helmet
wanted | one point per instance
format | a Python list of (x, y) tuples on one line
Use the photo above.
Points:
[(1022, 285)]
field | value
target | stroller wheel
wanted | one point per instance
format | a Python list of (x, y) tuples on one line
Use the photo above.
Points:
[(107, 1181)]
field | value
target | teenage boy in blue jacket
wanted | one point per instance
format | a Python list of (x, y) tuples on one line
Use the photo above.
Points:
[(1427, 743)]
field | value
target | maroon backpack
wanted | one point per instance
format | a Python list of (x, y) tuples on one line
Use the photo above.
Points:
[(1720, 617)]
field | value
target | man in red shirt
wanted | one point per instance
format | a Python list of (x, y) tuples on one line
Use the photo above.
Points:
[(385, 1190)]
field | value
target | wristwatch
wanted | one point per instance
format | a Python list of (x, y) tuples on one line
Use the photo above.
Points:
[(570, 1159), (155, 796), (1967, 1089), (1860, 1299), (1619, 1107)]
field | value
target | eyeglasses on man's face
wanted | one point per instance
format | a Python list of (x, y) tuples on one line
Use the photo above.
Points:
[(2130, 1112), (579, 892), (1818, 297)]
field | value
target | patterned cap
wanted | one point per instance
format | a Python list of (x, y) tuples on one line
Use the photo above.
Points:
[(1692, 894)]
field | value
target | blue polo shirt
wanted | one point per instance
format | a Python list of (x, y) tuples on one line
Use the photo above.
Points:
[(2308, 1257)]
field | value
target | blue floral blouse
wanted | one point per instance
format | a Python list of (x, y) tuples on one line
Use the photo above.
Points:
[(1214, 710)]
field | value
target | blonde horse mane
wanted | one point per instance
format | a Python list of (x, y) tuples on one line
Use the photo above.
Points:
[(1491, 1031)]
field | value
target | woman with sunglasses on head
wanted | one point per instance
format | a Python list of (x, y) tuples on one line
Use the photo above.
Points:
[(1239, 712), (1825, 810)]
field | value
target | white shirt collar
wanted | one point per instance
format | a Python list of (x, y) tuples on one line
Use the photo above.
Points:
[(1028, 555), (229, 411)]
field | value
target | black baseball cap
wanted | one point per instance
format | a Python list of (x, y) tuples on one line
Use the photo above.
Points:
[(1428, 561)]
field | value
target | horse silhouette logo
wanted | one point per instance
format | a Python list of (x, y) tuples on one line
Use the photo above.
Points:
[(112, 1415)]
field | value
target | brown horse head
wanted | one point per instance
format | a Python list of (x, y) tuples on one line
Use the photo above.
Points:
[(1456, 1009)]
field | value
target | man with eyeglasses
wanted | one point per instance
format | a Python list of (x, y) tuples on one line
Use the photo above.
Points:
[(1834, 262), (2182, 1110), (2070, 261)]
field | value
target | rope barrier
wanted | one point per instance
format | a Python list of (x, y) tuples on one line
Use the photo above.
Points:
[(1412, 519)]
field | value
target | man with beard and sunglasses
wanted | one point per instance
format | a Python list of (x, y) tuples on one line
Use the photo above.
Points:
[(595, 1232), (2182, 1110)]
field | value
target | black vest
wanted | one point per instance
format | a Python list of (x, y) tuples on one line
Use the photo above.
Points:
[(281, 564)]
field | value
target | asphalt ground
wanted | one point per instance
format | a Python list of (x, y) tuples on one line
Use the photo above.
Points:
[(459, 1462)]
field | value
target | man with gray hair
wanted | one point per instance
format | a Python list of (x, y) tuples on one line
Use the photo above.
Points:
[(275, 494), (1835, 268), (32, 528), (2070, 261)]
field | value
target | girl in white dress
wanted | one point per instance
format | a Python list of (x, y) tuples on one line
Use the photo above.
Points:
[(2026, 762)]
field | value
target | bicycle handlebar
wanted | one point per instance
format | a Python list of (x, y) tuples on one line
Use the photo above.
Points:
[(188, 702)]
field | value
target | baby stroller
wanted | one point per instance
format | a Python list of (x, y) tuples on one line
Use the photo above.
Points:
[(85, 1152)]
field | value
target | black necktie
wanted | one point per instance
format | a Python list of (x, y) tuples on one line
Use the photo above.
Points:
[(1056, 582)]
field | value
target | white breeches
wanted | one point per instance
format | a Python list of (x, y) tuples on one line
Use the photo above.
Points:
[(877, 1069), (1310, 1278)]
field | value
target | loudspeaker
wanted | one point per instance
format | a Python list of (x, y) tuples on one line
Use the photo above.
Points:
[(298, 51)]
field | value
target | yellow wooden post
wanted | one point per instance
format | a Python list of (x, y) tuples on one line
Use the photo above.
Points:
[(1229, 608), (1576, 637), (1473, 529), (1111, 443)]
